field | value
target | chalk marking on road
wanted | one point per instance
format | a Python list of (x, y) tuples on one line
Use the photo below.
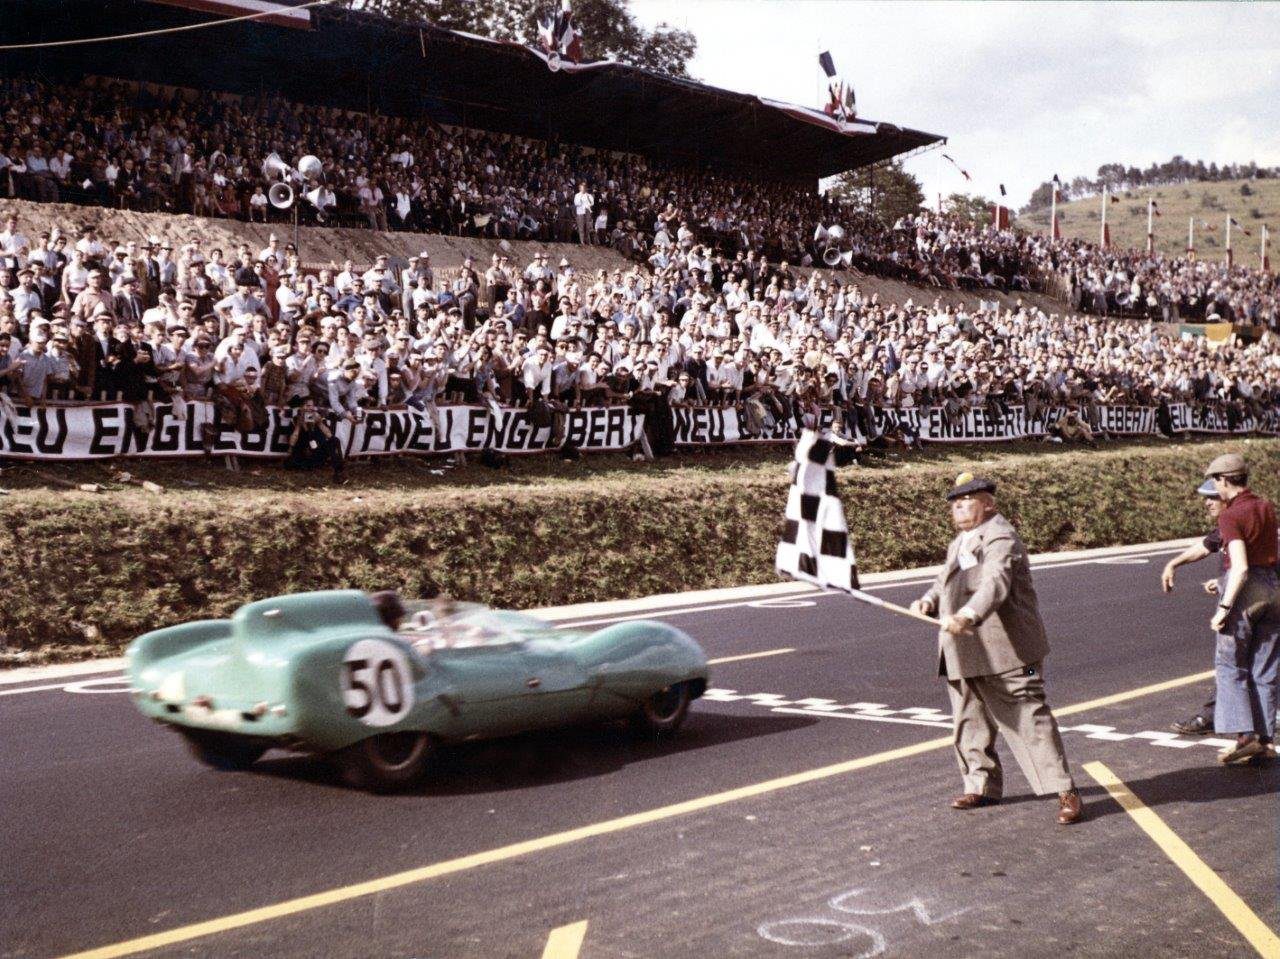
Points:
[(1237, 911), (736, 659), (527, 847), (566, 941), (870, 719), (932, 716)]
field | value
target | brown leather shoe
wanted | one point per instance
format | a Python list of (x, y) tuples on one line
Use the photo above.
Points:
[(973, 801), (1070, 809)]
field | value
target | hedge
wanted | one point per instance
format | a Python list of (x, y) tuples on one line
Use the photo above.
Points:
[(87, 573)]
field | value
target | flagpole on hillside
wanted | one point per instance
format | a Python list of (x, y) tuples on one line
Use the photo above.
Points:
[(1106, 237), (1228, 241), (1053, 209), (1151, 236), (1266, 261), (1191, 238)]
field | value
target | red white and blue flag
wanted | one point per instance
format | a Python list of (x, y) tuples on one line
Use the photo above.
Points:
[(841, 101), (558, 36)]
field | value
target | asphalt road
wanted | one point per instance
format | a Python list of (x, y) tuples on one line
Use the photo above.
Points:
[(109, 832)]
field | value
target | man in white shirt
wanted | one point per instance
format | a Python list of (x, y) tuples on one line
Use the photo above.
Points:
[(583, 203)]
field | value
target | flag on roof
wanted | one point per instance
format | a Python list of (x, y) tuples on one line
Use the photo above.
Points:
[(558, 35), (841, 101)]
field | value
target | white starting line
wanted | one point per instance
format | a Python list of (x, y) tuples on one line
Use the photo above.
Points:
[(934, 717)]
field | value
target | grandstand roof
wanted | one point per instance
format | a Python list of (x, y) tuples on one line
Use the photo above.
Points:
[(361, 61)]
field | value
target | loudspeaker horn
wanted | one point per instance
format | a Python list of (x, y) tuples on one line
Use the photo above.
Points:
[(281, 196)]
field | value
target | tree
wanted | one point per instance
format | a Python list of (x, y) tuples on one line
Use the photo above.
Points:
[(609, 31), (972, 210), (884, 190)]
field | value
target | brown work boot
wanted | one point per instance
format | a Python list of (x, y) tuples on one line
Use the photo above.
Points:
[(973, 801), (1070, 809)]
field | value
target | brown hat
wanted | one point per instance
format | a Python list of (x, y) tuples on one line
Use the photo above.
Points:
[(1228, 464)]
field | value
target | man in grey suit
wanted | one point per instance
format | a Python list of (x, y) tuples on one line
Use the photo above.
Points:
[(990, 649)]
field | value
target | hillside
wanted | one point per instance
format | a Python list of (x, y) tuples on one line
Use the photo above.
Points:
[(1209, 203)]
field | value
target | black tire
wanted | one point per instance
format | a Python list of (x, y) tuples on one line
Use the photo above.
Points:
[(386, 762), (225, 752), (663, 712)]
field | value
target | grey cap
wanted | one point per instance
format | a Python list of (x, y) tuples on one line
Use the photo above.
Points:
[(1228, 464)]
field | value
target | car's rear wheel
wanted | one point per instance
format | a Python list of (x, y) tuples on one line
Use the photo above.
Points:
[(223, 751), (386, 762), (664, 711)]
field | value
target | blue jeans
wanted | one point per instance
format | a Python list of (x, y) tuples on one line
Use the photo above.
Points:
[(1247, 667)]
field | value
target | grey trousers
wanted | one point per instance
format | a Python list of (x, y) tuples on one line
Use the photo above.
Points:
[(1013, 703)]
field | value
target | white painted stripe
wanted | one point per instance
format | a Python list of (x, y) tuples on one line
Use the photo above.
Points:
[(688, 602), (814, 592), (870, 719), (735, 659)]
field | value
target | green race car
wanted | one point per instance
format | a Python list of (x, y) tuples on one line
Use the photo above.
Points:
[(332, 673)]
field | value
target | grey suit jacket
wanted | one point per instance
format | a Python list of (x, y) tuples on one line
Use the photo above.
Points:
[(1009, 632)]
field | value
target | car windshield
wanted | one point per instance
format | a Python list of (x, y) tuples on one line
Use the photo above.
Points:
[(435, 625)]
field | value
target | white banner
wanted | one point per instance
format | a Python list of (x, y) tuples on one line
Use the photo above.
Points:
[(694, 427), (107, 430)]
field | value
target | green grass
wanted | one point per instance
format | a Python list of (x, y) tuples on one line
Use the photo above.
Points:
[(89, 571), (1207, 202)]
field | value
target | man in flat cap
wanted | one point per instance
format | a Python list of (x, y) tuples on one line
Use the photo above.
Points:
[(990, 649), (1247, 621)]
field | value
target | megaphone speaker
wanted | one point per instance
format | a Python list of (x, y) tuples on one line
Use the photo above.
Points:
[(281, 196)]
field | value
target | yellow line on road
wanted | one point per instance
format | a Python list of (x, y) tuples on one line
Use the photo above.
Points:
[(447, 867), (564, 943), (1207, 881), (767, 652), (1133, 694)]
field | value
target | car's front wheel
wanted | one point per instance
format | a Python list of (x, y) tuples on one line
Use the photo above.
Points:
[(386, 762), (664, 711), (223, 751)]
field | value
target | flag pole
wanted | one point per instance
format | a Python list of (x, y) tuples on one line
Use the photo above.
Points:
[(1053, 209), (892, 607), (1151, 237), (1228, 241), (1103, 238), (1191, 238), (1265, 264)]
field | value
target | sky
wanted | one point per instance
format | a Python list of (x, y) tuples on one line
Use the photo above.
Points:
[(1022, 90)]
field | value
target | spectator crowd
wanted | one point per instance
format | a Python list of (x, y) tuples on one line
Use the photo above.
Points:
[(716, 305), (120, 144)]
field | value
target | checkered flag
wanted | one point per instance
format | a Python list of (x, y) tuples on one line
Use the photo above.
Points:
[(815, 543)]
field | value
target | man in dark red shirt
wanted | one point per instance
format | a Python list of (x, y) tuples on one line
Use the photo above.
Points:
[(1247, 659)]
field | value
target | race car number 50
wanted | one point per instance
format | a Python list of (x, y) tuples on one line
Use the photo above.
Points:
[(377, 686)]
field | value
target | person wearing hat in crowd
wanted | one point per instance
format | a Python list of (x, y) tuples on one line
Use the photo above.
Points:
[(991, 650), (1202, 722), (94, 294), (346, 390), (1247, 620), (245, 300)]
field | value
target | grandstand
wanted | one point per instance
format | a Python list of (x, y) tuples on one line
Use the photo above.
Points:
[(358, 61)]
